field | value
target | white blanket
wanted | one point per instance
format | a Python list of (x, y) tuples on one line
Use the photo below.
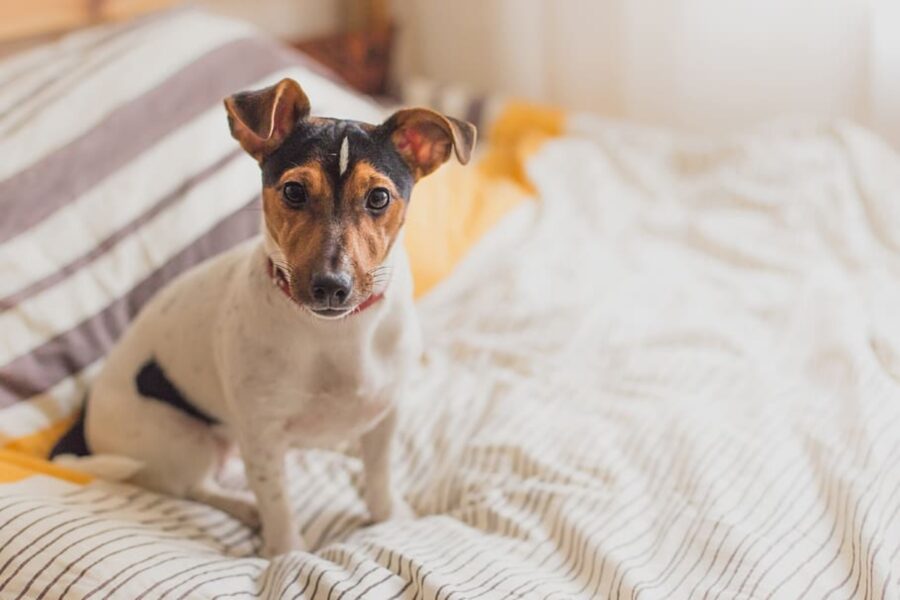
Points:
[(675, 376)]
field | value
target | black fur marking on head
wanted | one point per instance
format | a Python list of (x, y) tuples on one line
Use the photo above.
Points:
[(320, 140), (73, 442), (152, 382)]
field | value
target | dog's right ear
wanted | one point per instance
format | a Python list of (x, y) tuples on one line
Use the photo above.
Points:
[(424, 139), (261, 120)]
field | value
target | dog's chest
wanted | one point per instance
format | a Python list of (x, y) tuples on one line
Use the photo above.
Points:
[(318, 383), (324, 396)]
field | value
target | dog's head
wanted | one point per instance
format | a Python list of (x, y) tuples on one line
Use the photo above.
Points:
[(335, 192)]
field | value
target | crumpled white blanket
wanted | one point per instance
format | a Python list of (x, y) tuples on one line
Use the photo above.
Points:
[(674, 376)]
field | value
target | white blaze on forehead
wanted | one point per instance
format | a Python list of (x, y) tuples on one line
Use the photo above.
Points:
[(345, 154)]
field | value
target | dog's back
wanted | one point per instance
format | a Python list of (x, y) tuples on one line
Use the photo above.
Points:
[(163, 365)]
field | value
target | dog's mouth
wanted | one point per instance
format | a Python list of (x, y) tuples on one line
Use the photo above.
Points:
[(281, 280), (331, 313)]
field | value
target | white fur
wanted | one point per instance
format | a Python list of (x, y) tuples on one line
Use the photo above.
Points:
[(275, 376), (104, 466), (345, 155)]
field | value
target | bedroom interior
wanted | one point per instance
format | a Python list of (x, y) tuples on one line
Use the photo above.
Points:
[(659, 305)]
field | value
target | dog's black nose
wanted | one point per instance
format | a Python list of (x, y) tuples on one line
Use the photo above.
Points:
[(332, 289)]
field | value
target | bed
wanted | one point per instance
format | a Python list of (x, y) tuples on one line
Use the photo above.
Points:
[(658, 366)]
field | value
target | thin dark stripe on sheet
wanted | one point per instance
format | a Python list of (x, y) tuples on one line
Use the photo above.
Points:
[(821, 516), (172, 555), (219, 564), (85, 552), (654, 463), (188, 593), (134, 529)]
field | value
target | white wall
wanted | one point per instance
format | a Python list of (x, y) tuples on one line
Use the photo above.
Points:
[(696, 64), (287, 19)]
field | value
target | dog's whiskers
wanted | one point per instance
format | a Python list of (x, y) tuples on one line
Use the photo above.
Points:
[(283, 267), (379, 278)]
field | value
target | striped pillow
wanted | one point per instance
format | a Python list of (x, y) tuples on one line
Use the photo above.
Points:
[(119, 173)]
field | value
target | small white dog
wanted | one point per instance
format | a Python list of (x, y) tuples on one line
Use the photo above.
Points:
[(303, 337)]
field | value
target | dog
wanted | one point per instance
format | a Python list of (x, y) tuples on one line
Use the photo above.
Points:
[(303, 337)]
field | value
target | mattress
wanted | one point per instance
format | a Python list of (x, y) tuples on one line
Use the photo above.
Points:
[(662, 366)]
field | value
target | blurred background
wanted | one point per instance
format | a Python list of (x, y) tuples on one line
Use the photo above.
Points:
[(700, 65)]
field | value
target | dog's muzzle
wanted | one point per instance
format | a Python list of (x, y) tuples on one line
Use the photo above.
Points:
[(331, 291)]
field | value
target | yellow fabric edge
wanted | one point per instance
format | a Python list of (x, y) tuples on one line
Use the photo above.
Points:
[(15, 465), (24, 456), (453, 208)]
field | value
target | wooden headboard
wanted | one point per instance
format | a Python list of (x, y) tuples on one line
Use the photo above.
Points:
[(21, 19)]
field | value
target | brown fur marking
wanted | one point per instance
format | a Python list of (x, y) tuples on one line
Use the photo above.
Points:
[(318, 235)]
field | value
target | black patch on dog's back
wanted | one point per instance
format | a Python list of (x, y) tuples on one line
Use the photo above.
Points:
[(152, 383), (73, 442)]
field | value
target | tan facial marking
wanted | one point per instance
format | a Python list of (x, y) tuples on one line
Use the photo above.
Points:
[(316, 236), (369, 238), (299, 234)]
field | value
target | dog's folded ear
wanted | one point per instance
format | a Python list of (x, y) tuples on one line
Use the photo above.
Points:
[(261, 120), (424, 139)]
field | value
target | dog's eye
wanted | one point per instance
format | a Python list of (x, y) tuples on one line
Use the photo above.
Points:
[(378, 199), (294, 194)]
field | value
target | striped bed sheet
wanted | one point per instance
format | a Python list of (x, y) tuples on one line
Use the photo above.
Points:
[(675, 375)]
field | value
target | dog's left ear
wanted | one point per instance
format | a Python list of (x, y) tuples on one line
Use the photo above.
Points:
[(261, 120), (424, 139)]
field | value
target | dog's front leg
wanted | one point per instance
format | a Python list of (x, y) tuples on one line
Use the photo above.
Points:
[(376, 456), (263, 450)]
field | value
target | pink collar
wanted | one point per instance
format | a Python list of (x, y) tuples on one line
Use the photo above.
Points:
[(283, 286)]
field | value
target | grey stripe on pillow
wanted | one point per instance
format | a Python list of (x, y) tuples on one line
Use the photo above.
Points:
[(62, 176), (123, 232), (62, 71), (73, 350)]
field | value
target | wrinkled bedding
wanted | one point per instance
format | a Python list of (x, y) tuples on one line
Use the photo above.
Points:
[(674, 374)]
